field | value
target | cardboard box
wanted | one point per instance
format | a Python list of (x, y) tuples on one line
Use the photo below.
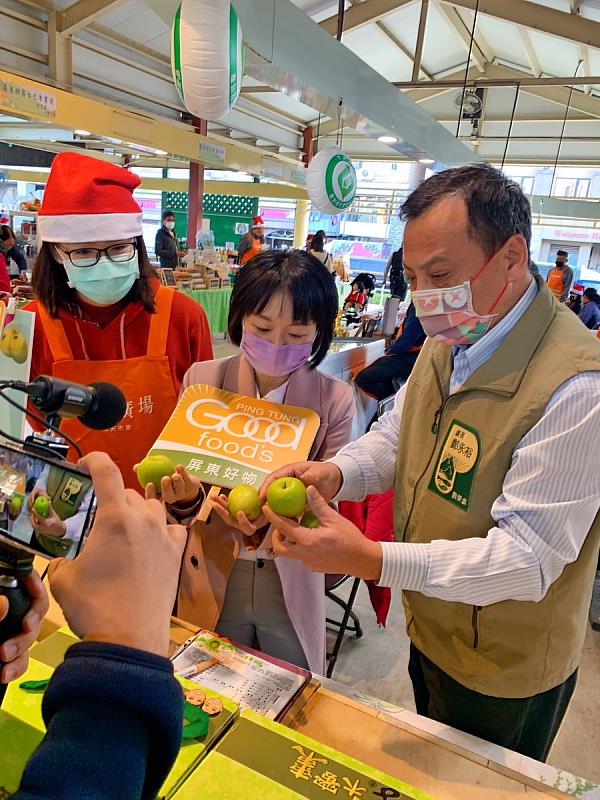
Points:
[(225, 283), (213, 283)]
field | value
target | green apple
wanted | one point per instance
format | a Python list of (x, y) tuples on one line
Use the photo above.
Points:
[(16, 504), (287, 496), (309, 520), (244, 498), (153, 469), (14, 345), (41, 506)]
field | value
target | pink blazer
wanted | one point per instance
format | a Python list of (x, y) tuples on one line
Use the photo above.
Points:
[(213, 547)]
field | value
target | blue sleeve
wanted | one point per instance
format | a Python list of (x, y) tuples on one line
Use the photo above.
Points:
[(412, 334), (586, 315), (114, 717)]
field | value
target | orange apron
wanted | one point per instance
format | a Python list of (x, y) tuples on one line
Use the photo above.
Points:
[(555, 282), (254, 251), (146, 383)]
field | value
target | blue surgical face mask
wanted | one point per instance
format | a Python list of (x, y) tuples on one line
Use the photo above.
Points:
[(105, 283)]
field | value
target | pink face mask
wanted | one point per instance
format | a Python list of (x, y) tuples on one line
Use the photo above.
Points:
[(271, 359), (447, 315)]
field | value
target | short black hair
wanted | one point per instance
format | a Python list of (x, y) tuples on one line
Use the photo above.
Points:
[(168, 214), (562, 253), (310, 284), (318, 242), (592, 294), (496, 206), (6, 232)]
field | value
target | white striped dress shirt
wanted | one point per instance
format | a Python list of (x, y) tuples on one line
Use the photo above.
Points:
[(550, 495)]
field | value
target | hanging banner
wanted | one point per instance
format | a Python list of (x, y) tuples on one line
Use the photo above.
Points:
[(207, 57), (331, 181)]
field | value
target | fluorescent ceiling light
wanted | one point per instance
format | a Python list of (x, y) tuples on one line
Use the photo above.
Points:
[(82, 133), (387, 139), (427, 161)]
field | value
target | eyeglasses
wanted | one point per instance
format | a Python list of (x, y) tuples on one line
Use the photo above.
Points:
[(89, 256)]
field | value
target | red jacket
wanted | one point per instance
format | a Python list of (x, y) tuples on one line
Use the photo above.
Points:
[(189, 337)]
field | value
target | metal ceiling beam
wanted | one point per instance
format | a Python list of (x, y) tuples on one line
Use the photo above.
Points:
[(288, 50), (530, 53), (82, 13), (124, 41), (520, 78), (539, 17), (389, 34), (420, 39), (363, 14), (455, 21)]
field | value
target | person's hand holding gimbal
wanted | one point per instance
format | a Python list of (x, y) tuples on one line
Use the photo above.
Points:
[(14, 652)]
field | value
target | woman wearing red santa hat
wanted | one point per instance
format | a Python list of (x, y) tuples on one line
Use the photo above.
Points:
[(251, 243), (101, 313)]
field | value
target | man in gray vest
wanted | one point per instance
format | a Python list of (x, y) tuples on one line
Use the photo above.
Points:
[(492, 452)]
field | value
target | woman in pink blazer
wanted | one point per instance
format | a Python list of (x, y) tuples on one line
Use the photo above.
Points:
[(282, 315)]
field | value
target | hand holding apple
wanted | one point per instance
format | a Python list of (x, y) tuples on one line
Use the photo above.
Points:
[(245, 499), (336, 547), (177, 488), (41, 505), (152, 469), (241, 522), (49, 525)]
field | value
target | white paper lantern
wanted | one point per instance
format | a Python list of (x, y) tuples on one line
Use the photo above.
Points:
[(207, 57), (331, 181)]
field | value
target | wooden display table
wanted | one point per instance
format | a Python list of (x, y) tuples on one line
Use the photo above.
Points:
[(447, 763)]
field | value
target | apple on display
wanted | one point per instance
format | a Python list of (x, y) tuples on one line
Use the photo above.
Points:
[(246, 499), (287, 496), (14, 345)]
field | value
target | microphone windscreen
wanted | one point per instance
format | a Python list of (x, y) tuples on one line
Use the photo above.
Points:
[(109, 408)]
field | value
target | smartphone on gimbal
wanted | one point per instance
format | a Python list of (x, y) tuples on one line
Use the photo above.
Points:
[(47, 505)]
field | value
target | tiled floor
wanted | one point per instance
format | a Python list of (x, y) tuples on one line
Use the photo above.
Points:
[(377, 665)]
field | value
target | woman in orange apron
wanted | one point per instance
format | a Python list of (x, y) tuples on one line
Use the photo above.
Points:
[(252, 243), (101, 313)]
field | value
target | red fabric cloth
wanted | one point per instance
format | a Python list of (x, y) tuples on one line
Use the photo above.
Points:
[(375, 518), (357, 297), (5, 285), (189, 339)]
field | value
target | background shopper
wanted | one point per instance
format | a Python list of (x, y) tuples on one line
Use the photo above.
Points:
[(590, 308), (166, 247)]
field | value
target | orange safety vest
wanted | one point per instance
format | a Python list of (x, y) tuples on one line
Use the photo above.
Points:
[(556, 281), (145, 381), (253, 251)]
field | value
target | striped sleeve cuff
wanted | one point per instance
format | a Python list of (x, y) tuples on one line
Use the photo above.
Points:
[(405, 566), (353, 479)]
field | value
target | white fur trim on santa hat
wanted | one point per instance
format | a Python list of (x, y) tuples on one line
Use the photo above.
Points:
[(82, 228)]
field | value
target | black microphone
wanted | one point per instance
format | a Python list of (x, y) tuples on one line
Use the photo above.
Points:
[(99, 405)]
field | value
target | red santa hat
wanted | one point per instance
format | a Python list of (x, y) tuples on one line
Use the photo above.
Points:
[(578, 288), (88, 200), (258, 222)]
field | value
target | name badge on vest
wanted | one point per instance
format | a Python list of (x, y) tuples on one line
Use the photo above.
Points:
[(71, 491), (456, 465)]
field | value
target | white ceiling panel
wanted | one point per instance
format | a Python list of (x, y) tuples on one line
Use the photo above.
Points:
[(442, 49), (376, 49), (556, 56)]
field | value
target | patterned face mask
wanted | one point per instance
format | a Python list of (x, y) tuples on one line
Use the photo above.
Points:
[(447, 315)]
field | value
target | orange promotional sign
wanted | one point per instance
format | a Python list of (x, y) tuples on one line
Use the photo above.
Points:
[(227, 439)]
